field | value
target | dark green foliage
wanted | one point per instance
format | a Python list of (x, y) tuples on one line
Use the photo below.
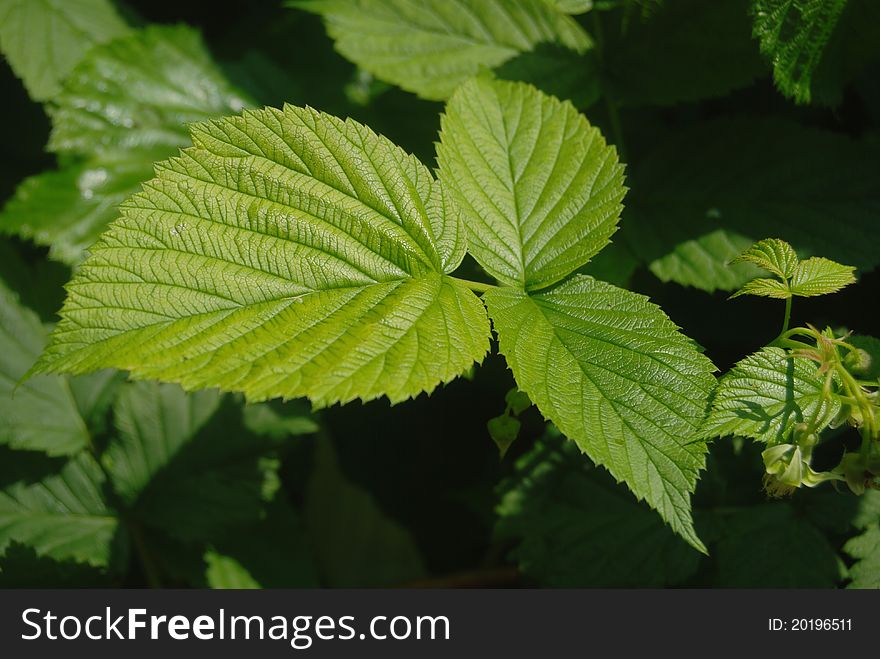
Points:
[(732, 121)]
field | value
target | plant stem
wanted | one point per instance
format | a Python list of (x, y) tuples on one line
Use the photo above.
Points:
[(787, 318), (475, 286)]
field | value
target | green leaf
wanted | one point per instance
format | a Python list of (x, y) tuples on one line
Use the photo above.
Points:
[(139, 93), (154, 422), (865, 549), (356, 544), (184, 463), (575, 527), (63, 516), (815, 46), (44, 39), (820, 276), (68, 209), (681, 50), (40, 414), (772, 546), (431, 46), (279, 422), (626, 386), (771, 254), (122, 109), (765, 394), (702, 197), (503, 430), (764, 287), (538, 188), (573, 6), (288, 253)]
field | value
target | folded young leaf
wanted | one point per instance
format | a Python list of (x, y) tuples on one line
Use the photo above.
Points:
[(575, 528), (614, 374), (288, 253), (64, 516), (44, 40), (705, 195), (539, 190), (41, 413), (431, 46), (765, 394), (773, 255)]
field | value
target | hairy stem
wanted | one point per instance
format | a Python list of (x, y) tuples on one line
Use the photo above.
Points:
[(787, 319)]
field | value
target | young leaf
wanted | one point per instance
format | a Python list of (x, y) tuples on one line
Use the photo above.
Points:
[(122, 109), (575, 528), (41, 413), (765, 394), (626, 386), (764, 287), (866, 362), (820, 276), (773, 255), (64, 516), (44, 40), (431, 46), (705, 195), (865, 549), (539, 190), (288, 253)]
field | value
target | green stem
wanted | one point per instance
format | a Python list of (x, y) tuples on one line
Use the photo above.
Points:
[(475, 286), (787, 318)]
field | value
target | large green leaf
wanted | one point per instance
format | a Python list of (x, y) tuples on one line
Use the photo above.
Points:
[(539, 189), (615, 375), (289, 253), (356, 544), (679, 50), (124, 107), (765, 394), (775, 546), (575, 528), (140, 93), (184, 463), (431, 46), (63, 516), (44, 39), (705, 195), (41, 413)]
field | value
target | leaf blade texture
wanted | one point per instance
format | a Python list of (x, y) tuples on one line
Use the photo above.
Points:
[(538, 188), (771, 254), (287, 253), (63, 516), (431, 46), (763, 395), (44, 39), (626, 386)]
